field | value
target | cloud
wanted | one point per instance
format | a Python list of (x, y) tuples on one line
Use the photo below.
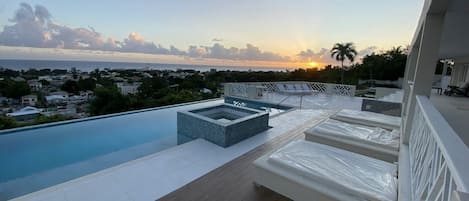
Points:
[(367, 51), (308, 55), (35, 27), (250, 52)]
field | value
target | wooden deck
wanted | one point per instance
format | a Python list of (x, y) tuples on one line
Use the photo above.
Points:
[(234, 180)]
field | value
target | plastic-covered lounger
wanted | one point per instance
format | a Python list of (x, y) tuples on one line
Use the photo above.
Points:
[(368, 118), (370, 141), (294, 88), (303, 170)]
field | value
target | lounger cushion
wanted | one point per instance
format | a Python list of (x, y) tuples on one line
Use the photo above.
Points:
[(360, 177), (293, 88), (368, 118), (357, 133)]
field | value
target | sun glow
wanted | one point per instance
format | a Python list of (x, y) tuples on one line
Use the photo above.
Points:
[(313, 64)]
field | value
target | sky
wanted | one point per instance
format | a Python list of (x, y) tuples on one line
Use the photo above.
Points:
[(212, 32)]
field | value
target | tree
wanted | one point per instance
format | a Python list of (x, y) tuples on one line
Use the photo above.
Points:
[(389, 65), (108, 100), (7, 122), (342, 51), (12, 89), (86, 84), (74, 72), (70, 86), (151, 87)]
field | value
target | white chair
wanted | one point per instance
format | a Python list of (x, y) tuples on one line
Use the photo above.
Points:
[(303, 170), (368, 118), (370, 141)]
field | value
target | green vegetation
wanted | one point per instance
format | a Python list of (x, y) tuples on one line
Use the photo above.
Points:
[(14, 89), (7, 122), (42, 119), (109, 100), (342, 51), (153, 92), (75, 87)]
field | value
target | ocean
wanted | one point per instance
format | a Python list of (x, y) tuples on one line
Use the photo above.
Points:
[(91, 65)]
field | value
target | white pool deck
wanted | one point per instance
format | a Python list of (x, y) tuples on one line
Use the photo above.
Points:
[(153, 176)]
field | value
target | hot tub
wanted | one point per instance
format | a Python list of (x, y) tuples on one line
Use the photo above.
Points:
[(222, 124)]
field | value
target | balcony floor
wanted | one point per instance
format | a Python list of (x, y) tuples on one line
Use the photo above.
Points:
[(234, 180), (156, 175), (455, 109)]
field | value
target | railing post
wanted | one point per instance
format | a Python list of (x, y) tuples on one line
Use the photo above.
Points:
[(425, 67), (227, 89), (409, 76)]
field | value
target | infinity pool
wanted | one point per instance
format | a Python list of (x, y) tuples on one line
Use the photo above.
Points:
[(36, 158)]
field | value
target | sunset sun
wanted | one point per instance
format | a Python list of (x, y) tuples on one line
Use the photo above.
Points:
[(313, 64)]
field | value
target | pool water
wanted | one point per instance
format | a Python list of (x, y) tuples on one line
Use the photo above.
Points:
[(37, 158), (33, 151), (271, 108)]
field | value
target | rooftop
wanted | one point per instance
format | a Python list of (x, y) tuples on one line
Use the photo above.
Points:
[(156, 175), (200, 170)]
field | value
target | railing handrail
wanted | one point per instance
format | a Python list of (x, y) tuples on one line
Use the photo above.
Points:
[(328, 88), (280, 82), (452, 147)]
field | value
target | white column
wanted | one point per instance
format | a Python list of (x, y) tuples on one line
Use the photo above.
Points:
[(425, 68), (411, 64)]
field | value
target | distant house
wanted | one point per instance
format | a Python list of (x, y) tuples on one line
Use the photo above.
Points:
[(18, 79), (126, 88), (180, 74), (35, 85), (46, 78), (60, 93), (147, 75), (85, 76), (3, 100), (25, 114), (88, 94), (206, 91), (55, 99), (29, 100)]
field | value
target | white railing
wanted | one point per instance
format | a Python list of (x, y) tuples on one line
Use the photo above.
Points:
[(241, 88), (439, 160)]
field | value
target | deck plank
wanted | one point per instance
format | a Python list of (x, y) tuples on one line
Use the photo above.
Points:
[(234, 180)]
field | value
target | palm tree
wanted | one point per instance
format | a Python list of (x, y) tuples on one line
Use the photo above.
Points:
[(342, 51)]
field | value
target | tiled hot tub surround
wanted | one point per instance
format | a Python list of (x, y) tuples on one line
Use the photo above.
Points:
[(222, 124)]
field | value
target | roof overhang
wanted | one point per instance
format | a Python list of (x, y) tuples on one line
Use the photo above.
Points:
[(454, 41)]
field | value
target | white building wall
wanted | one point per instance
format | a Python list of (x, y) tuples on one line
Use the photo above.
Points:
[(127, 88), (460, 74)]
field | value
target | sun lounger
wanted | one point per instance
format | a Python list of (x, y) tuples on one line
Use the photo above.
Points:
[(462, 90), (370, 141), (368, 118), (294, 88), (303, 170)]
